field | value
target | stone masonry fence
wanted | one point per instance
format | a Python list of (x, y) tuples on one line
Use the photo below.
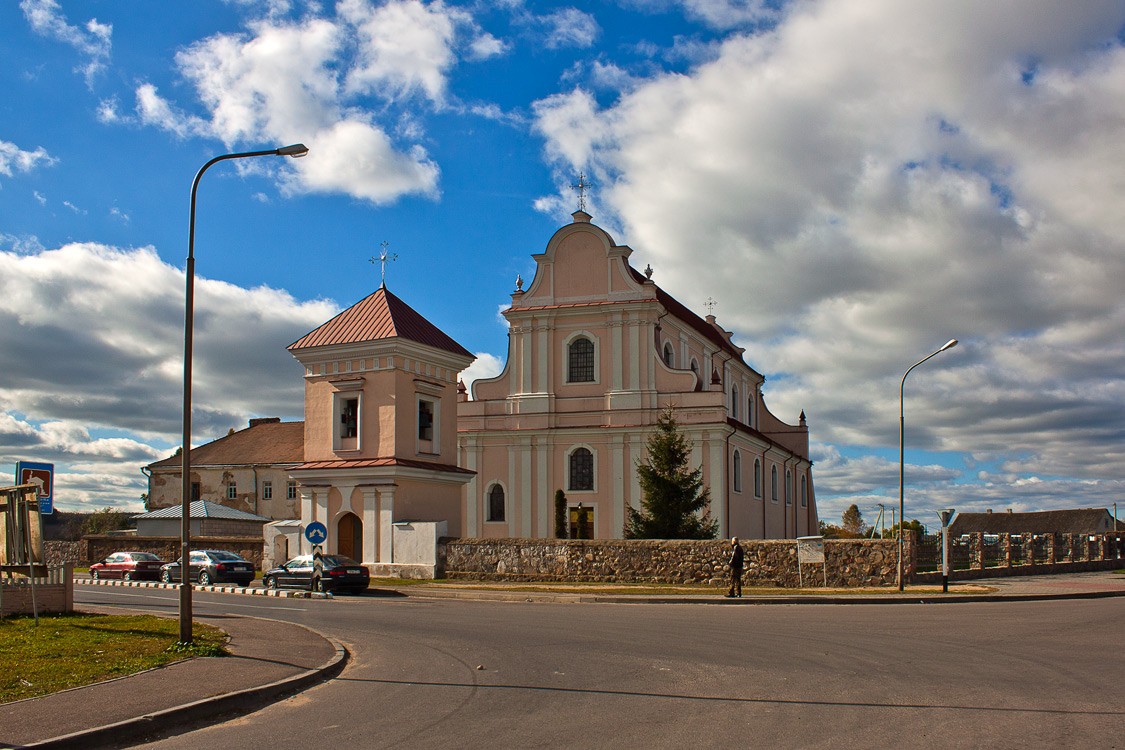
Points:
[(772, 562)]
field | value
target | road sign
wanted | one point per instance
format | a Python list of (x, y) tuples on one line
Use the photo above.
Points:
[(42, 475), (316, 532)]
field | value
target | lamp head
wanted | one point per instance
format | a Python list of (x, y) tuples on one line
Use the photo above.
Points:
[(297, 150), (948, 345)]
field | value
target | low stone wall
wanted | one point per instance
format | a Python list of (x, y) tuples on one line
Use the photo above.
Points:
[(93, 549), (771, 562)]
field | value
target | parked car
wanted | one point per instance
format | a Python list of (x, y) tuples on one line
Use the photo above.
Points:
[(212, 566), (337, 573), (131, 566)]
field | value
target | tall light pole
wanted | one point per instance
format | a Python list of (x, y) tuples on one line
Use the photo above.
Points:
[(901, 456), (296, 150)]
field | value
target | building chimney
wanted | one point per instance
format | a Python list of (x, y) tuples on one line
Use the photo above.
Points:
[(1009, 510), (988, 510), (264, 420)]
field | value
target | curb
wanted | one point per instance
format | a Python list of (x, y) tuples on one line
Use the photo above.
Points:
[(217, 588), (572, 598), (159, 723)]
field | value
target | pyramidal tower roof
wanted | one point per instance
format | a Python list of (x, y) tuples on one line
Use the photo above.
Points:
[(380, 315)]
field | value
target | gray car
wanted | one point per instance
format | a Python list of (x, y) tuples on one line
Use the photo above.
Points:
[(212, 566)]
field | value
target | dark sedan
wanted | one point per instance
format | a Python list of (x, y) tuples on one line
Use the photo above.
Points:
[(336, 573), (130, 566), (212, 566)]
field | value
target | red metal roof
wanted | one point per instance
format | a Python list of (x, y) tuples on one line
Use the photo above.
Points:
[(380, 315)]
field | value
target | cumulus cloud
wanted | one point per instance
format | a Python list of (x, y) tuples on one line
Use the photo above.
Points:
[(311, 81), (93, 40), (859, 183), (93, 343), (14, 159)]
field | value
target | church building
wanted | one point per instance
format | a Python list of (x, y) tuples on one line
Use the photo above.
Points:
[(391, 441), (597, 351)]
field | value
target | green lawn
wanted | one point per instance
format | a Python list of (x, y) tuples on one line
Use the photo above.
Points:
[(68, 651)]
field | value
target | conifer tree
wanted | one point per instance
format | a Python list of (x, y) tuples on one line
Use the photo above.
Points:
[(674, 503), (560, 514)]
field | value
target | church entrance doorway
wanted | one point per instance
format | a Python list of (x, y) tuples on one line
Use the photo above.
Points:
[(581, 522), (349, 536)]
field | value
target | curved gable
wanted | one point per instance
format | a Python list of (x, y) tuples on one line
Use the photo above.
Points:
[(581, 264)]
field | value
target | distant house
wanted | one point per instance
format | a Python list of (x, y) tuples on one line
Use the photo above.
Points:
[(207, 519), (247, 470), (1074, 521)]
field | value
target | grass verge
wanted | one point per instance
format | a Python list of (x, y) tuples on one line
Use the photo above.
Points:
[(68, 651)]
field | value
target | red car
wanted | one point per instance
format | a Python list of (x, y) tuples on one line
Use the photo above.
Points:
[(131, 566)]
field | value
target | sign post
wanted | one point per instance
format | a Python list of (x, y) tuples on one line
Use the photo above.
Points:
[(946, 515), (43, 477), (810, 549)]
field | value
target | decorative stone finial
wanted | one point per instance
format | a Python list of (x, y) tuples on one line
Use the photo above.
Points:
[(648, 271), (519, 283), (803, 424)]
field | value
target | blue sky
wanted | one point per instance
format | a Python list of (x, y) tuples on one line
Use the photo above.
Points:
[(854, 183)]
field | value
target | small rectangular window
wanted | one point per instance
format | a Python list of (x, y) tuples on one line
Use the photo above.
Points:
[(349, 418), (267, 490), (232, 491), (291, 490), (194, 491), (425, 420)]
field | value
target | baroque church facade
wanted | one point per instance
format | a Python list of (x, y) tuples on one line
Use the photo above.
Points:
[(597, 351)]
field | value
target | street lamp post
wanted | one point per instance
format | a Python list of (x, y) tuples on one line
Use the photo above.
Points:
[(901, 456), (296, 150)]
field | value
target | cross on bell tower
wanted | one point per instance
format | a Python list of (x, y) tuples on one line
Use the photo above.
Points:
[(382, 259)]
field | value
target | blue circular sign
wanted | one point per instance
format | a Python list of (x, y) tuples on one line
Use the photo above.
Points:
[(316, 532)]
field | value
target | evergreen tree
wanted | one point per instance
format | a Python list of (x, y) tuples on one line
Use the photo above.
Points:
[(560, 514), (674, 503)]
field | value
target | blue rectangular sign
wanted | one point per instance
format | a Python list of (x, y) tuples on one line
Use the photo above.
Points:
[(43, 475)]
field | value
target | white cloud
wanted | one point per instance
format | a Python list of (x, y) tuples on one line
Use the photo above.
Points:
[(486, 45), (484, 367), (93, 339), (14, 159), (306, 81), (865, 181), (569, 27), (93, 40), (404, 46)]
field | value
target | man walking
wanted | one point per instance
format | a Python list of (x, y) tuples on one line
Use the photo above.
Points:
[(735, 563)]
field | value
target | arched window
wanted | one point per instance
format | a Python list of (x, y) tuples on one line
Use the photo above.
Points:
[(581, 470), (750, 411), (773, 482), (757, 477), (737, 471), (734, 401), (804, 494), (788, 487), (580, 361), (695, 367), (669, 355), (496, 504)]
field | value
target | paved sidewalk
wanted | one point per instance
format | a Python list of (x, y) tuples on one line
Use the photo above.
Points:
[(269, 659)]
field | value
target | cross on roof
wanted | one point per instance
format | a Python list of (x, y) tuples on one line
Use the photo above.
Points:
[(710, 305), (382, 259), (581, 186)]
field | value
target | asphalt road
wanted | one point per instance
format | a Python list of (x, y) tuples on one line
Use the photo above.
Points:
[(462, 674)]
